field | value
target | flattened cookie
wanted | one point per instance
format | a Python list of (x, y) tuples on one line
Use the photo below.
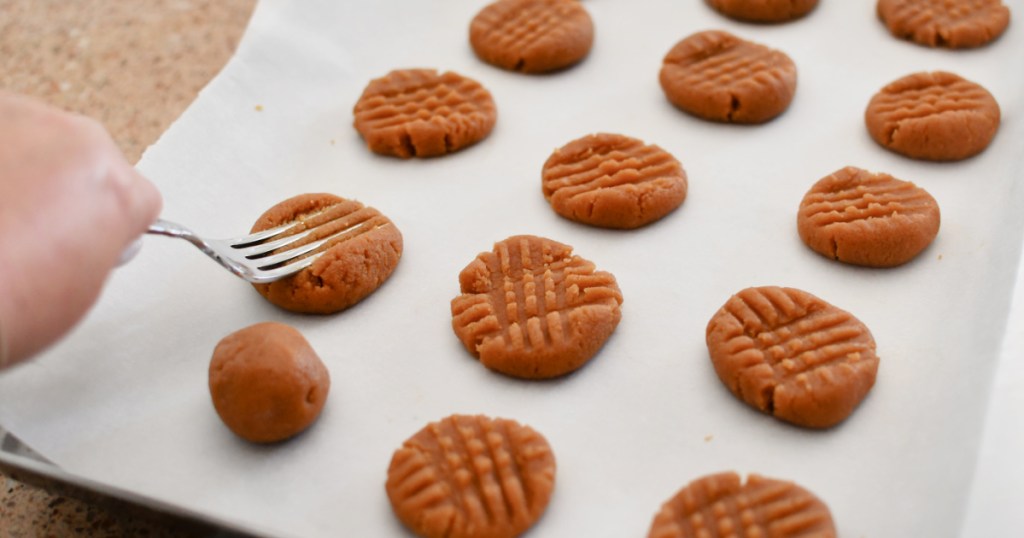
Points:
[(763, 10), (613, 181), (363, 249), (267, 383), (722, 505), (532, 36), (532, 309), (935, 116), (876, 220), (421, 113), (719, 77), (786, 352), (945, 23), (471, 477)]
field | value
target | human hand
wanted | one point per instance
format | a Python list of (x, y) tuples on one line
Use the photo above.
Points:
[(69, 205)]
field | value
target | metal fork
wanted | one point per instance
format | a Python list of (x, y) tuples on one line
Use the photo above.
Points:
[(252, 257)]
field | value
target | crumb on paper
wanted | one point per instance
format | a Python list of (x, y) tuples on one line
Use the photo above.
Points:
[(332, 141), (708, 438), (940, 257), (259, 108)]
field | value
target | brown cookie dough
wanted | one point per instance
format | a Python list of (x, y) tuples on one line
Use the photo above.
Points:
[(788, 353), (471, 477), (364, 249), (945, 23), (267, 383), (763, 10), (613, 181), (935, 116), (532, 36), (719, 77), (876, 220), (532, 309), (423, 113), (722, 505)]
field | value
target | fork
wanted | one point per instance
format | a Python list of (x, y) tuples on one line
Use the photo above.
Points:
[(251, 257)]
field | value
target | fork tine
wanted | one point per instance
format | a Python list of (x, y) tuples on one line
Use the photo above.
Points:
[(260, 249), (263, 276), (300, 250), (282, 257), (244, 241)]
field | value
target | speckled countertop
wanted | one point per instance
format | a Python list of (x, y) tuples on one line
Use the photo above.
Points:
[(135, 66)]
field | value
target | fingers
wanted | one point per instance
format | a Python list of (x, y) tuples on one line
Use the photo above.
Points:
[(139, 199), (5, 357), (69, 205)]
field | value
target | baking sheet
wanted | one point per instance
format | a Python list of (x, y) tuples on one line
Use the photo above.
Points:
[(124, 401)]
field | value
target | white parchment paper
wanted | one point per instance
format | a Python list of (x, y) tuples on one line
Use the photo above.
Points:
[(124, 399)]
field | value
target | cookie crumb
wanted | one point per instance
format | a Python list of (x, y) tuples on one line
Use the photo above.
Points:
[(259, 108), (708, 438)]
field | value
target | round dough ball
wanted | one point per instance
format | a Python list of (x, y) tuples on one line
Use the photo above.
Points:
[(267, 383)]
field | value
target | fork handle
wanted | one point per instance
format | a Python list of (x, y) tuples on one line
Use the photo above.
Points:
[(159, 226), (172, 229)]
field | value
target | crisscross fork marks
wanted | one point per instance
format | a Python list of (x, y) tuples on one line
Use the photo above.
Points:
[(952, 23), (720, 506), (421, 95), (881, 198), (770, 341), (635, 164), (528, 25), (716, 59), (532, 35), (946, 97), (468, 474), (791, 337), (534, 283), (530, 282)]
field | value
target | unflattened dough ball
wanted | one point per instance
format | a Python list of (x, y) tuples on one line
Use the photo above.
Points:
[(362, 252), (936, 116), (956, 24), (423, 113), (471, 477), (763, 10), (723, 505), (532, 309), (719, 77), (532, 36), (788, 353), (613, 181), (267, 383), (862, 218)]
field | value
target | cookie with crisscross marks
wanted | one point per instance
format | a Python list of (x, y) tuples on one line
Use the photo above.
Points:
[(423, 113), (723, 505), (613, 181), (862, 218), (956, 24), (532, 309), (763, 10), (719, 77), (532, 36), (788, 353), (471, 477), (935, 116)]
